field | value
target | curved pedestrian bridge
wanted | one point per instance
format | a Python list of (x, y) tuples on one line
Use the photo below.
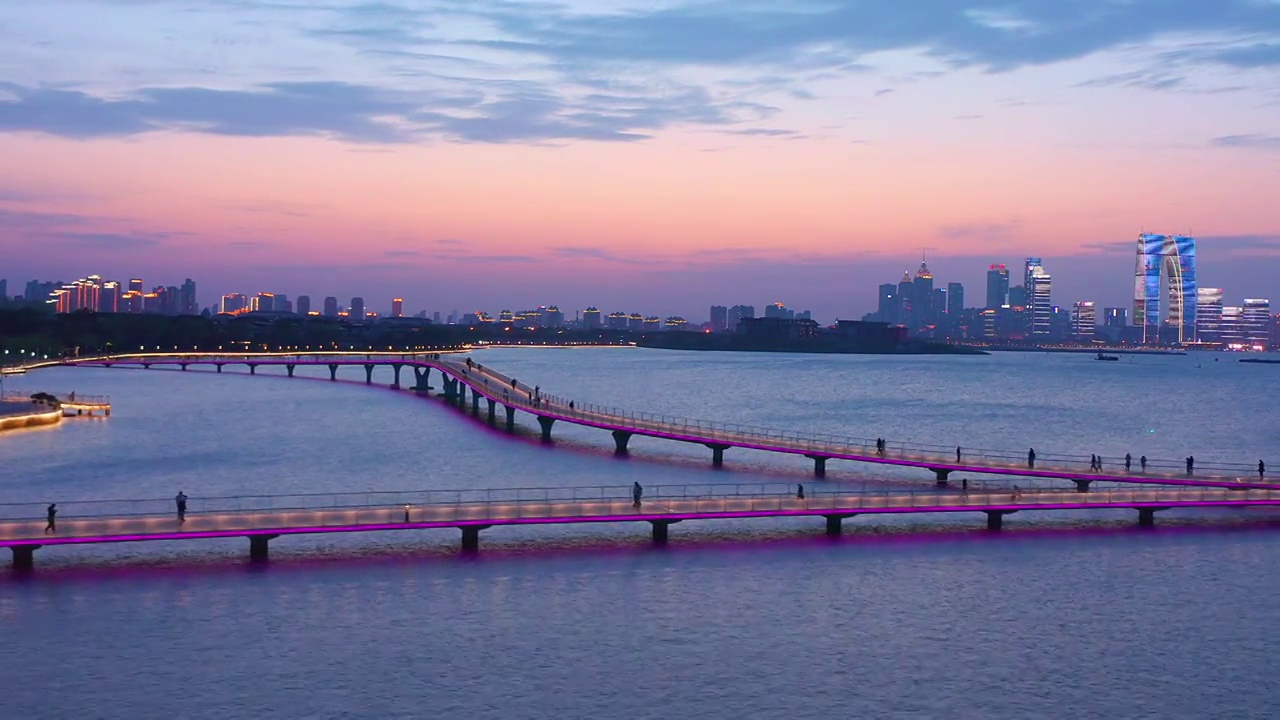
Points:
[(460, 376), (263, 518)]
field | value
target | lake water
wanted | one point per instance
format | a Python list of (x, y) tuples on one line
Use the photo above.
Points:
[(1061, 615)]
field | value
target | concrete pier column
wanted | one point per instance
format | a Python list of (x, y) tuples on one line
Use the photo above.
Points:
[(290, 369), (471, 537), (182, 365), (333, 372), (449, 386), (995, 518), (546, 423), (620, 440), (146, 366), (475, 401), (1083, 485), (24, 556), (368, 374), (660, 530), (253, 369), (942, 475), (835, 523), (1147, 516), (258, 547), (493, 408), (511, 418), (819, 465), (395, 384), (219, 366), (717, 454)]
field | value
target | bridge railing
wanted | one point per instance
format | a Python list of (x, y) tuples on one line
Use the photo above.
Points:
[(613, 500)]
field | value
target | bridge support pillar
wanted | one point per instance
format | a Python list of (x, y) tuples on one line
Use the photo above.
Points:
[(146, 366), (620, 440), (253, 369), (493, 411), (546, 423), (1147, 516), (182, 365), (368, 374), (819, 465), (475, 401), (258, 547), (1083, 485), (717, 454), (290, 369), (218, 366), (942, 475), (995, 518), (471, 537), (24, 556), (333, 372), (511, 418), (397, 367), (835, 523), (660, 530), (420, 385)]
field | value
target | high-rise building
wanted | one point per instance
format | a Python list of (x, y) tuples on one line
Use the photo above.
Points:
[(331, 306), (997, 286), (1255, 320), (652, 323), (135, 285), (617, 321), (1039, 287), (109, 298), (1169, 260), (906, 301), (922, 297), (187, 302), (233, 303), (357, 309), (887, 303), (304, 304), (1115, 317), (553, 317), (719, 318), (955, 300), (263, 302), (4, 291), (635, 321), (1084, 319), (738, 313), (1208, 314), (397, 307), (591, 318), (778, 310), (1231, 328)]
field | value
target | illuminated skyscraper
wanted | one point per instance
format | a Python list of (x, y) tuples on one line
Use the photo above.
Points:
[(1255, 321), (1039, 286), (955, 300), (1165, 261), (591, 318), (1084, 319), (997, 286), (135, 285), (1208, 314), (922, 297), (235, 302), (397, 307)]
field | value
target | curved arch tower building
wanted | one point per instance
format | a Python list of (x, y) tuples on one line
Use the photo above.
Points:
[(1165, 287)]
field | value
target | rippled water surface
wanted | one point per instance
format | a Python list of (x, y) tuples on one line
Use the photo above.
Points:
[(1060, 616)]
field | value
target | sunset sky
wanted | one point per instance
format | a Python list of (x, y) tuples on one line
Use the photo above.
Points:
[(653, 156)]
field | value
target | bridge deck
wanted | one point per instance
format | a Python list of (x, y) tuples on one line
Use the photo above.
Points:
[(316, 514), (502, 389)]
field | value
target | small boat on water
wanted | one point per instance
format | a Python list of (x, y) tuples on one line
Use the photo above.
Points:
[(1104, 356)]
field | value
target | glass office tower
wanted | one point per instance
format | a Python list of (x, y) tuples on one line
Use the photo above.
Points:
[(1165, 262)]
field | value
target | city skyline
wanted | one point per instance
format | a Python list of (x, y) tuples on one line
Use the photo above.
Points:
[(608, 151)]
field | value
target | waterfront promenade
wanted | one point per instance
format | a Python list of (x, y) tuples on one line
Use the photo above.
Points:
[(264, 518), (461, 377)]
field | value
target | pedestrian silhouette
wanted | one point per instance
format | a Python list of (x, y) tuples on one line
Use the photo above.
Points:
[(1031, 458), (1191, 464), (636, 493), (799, 491), (964, 484), (1262, 469), (51, 526), (1128, 462), (181, 501), (957, 453), (1143, 462)]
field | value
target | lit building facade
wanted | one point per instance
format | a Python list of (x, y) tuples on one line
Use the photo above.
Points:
[(1039, 288), (997, 286), (1084, 319), (397, 307), (1255, 322), (592, 318), (1165, 261), (1209, 314)]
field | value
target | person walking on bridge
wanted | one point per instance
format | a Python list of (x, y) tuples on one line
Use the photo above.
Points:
[(1262, 469), (51, 526), (1191, 464), (636, 493), (1031, 458), (181, 501), (800, 491), (957, 453), (1128, 462), (1143, 462)]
